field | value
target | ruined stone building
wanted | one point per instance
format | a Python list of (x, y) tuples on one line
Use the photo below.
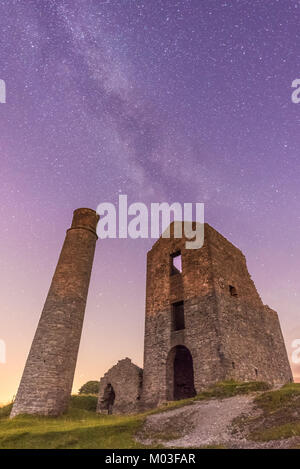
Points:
[(124, 394), (205, 322)]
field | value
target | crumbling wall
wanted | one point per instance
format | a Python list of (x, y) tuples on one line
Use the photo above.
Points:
[(200, 336), (120, 388), (227, 329), (250, 334)]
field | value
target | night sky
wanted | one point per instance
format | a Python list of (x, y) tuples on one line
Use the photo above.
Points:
[(162, 100)]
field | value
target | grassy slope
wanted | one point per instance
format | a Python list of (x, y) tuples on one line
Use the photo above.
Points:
[(280, 414), (81, 427)]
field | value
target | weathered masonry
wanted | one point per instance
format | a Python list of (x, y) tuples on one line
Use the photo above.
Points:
[(47, 380), (205, 321), (120, 388)]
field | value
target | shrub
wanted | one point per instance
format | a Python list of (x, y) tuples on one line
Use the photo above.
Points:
[(84, 402), (5, 410), (91, 387)]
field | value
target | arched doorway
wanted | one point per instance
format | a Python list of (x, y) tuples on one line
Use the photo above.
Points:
[(108, 399), (180, 374)]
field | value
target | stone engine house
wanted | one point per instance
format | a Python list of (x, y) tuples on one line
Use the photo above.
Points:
[(205, 322)]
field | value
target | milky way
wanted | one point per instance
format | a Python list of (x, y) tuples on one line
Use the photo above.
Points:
[(166, 100)]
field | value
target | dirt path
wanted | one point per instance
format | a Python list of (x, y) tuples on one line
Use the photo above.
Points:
[(204, 423)]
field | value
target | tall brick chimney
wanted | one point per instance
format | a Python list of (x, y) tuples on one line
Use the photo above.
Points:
[(48, 376)]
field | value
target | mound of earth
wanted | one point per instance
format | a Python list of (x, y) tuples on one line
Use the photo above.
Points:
[(214, 423)]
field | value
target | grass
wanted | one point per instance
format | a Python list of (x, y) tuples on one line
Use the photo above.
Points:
[(221, 390), (287, 398), (232, 388), (84, 402), (5, 410), (279, 432), (77, 429), (81, 427)]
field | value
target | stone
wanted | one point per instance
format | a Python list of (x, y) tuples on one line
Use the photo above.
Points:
[(120, 389), (47, 379), (226, 333)]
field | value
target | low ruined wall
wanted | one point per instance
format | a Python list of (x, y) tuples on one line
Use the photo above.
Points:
[(120, 388)]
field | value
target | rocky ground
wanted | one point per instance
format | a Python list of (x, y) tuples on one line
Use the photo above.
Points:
[(211, 423)]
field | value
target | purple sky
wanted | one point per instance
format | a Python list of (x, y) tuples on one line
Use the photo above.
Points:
[(162, 100)]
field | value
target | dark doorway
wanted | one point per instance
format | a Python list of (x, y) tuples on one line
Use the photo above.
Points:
[(180, 374), (108, 399)]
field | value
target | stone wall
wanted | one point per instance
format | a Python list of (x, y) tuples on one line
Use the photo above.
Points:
[(250, 334), (194, 286), (228, 331), (120, 388)]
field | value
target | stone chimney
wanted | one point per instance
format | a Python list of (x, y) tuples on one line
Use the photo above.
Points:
[(47, 379)]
